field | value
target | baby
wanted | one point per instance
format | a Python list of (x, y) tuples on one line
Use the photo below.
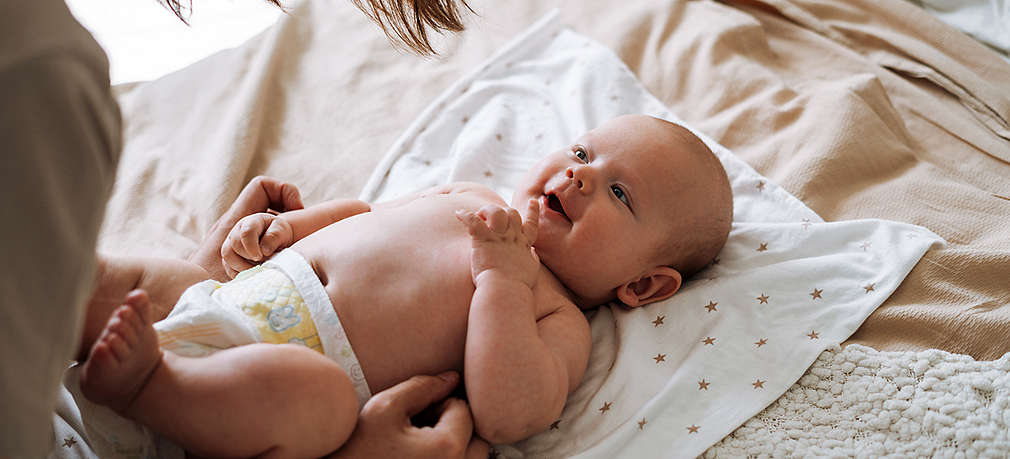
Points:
[(449, 279)]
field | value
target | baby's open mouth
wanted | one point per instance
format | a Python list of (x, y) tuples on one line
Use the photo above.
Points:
[(554, 204)]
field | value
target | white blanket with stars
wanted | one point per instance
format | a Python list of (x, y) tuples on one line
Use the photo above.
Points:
[(673, 378)]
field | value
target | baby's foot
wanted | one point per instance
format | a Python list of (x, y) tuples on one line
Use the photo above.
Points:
[(124, 356)]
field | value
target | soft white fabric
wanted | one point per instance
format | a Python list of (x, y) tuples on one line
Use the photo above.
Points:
[(858, 402), (672, 378)]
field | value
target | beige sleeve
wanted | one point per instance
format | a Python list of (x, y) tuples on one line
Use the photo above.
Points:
[(60, 128)]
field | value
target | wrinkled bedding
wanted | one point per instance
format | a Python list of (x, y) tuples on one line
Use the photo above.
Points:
[(861, 109)]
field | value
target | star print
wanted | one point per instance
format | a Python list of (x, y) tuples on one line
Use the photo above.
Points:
[(693, 429), (711, 306), (763, 298), (605, 407), (488, 173), (869, 288), (761, 342), (658, 321), (806, 223), (812, 334), (865, 245), (498, 136), (641, 424), (69, 442), (759, 384), (465, 119), (764, 246), (709, 340), (427, 163), (703, 385), (554, 425), (659, 358), (761, 186), (613, 97), (816, 294)]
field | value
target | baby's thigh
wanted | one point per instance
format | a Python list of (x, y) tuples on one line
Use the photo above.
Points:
[(309, 399)]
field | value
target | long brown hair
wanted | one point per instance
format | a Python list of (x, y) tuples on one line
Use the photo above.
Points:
[(403, 21), (409, 24)]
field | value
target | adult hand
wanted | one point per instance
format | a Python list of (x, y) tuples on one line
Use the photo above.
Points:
[(261, 194), (384, 428)]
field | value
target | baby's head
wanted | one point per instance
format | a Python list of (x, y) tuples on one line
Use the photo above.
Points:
[(629, 210)]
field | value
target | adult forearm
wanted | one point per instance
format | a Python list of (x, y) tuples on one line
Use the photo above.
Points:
[(515, 383)]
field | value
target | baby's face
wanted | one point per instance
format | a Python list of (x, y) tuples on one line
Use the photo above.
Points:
[(605, 204)]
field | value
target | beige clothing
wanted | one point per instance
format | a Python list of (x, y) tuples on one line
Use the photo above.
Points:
[(60, 128)]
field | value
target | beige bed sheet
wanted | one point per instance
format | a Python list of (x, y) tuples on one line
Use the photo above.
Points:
[(861, 109)]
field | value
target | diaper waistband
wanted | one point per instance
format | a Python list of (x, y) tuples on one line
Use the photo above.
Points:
[(335, 343)]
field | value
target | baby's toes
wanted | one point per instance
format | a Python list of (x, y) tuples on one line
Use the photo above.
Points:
[(126, 323), (120, 349)]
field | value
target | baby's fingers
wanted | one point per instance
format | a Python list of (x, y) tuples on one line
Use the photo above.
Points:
[(277, 236), (474, 224), (531, 222), (250, 229), (515, 228), (233, 263), (497, 218)]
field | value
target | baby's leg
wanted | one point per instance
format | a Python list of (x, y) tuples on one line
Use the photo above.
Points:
[(258, 400), (164, 280)]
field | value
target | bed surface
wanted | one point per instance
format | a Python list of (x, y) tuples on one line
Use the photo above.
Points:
[(862, 110)]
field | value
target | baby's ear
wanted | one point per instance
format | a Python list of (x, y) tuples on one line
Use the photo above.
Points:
[(657, 284)]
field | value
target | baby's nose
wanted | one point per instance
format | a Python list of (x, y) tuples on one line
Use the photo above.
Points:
[(580, 178)]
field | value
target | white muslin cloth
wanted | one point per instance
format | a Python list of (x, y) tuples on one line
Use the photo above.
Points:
[(672, 378)]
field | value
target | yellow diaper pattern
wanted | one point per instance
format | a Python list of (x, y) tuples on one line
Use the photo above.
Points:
[(273, 303)]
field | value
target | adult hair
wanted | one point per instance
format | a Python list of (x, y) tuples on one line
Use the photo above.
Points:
[(407, 21), (403, 21), (182, 11)]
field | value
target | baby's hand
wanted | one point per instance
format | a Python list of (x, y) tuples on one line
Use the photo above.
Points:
[(253, 239), (503, 242)]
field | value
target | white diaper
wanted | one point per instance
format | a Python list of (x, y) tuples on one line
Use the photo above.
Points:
[(280, 301)]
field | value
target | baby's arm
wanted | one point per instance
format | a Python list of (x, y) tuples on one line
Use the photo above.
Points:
[(255, 237), (518, 370)]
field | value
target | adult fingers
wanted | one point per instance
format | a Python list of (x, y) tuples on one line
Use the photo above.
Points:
[(531, 221), (415, 394), (454, 426), (477, 449), (263, 193)]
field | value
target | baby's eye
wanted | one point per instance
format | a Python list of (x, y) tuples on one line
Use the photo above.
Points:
[(581, 154), (619, 193)]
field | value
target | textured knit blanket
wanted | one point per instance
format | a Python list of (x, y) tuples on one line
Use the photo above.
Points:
[(860, 402)]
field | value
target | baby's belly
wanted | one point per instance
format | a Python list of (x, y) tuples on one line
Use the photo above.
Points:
[(402, 296)]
